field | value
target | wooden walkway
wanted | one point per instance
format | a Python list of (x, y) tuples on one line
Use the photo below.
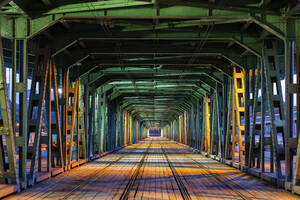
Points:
[(154, 169)]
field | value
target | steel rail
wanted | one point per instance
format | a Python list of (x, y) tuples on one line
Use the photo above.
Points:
[(219, 179), (133, 178), (183, 190), (89, 179)]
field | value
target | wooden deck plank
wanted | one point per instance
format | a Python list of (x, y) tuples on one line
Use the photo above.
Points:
[(7, 190)]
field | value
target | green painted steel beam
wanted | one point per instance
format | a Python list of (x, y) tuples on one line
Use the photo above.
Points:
[(93, 7), (273, 23), (179, 101), (154, 91), (175, 102), (249, 43), (126, 74), (202, 59), (155, 111), (104, 79), (196, 87), (222, 9), (165, 108)]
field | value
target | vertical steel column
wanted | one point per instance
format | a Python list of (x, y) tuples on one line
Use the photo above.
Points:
[(255, 127), (170, 128), (130, 128), (119, 123), (292, 89), (55, 150), (290, 141), (88, 121), (94, 115), (171, 131), (228, 144), (263, 115), (36, 103), (298, 86), (173, 123), (212, 121), (97, 122), (246, 115), (185, 127), (296, 176), (19, 87), (291, 135), (133, 122), (167, 131), (225, 116), (81, 125), (271, 69), (188, 130), (102, 104), (177, 130), (125, 128), (193, 125), (217, 113), (106, 135), (137, 131), (121, 127), (71, 105), (235, 138), (207, 125), (203, 130), (180, 128), (8, 169), (213, 139), (198, 126)]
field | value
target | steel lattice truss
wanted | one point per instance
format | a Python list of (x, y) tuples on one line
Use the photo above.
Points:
[(209, 73)]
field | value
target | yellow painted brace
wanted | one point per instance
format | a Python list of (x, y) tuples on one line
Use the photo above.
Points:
[(71, 108), (137, 131), (173, 131), (125, 128), (207, 125), (185, 130), (235, 138), (239, 104), (130, 129), (180, 118)]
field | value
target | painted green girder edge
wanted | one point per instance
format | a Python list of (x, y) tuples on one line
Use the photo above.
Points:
[(273, 23)]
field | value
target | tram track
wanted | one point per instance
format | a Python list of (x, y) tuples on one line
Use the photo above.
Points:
[(154, 170), (183, 190), (220, 180), (102, 170), (136, 173)]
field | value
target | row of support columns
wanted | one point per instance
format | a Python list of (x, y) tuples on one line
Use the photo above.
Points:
[(251, 121), (134, 131), (60, 124), (248, 121)]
